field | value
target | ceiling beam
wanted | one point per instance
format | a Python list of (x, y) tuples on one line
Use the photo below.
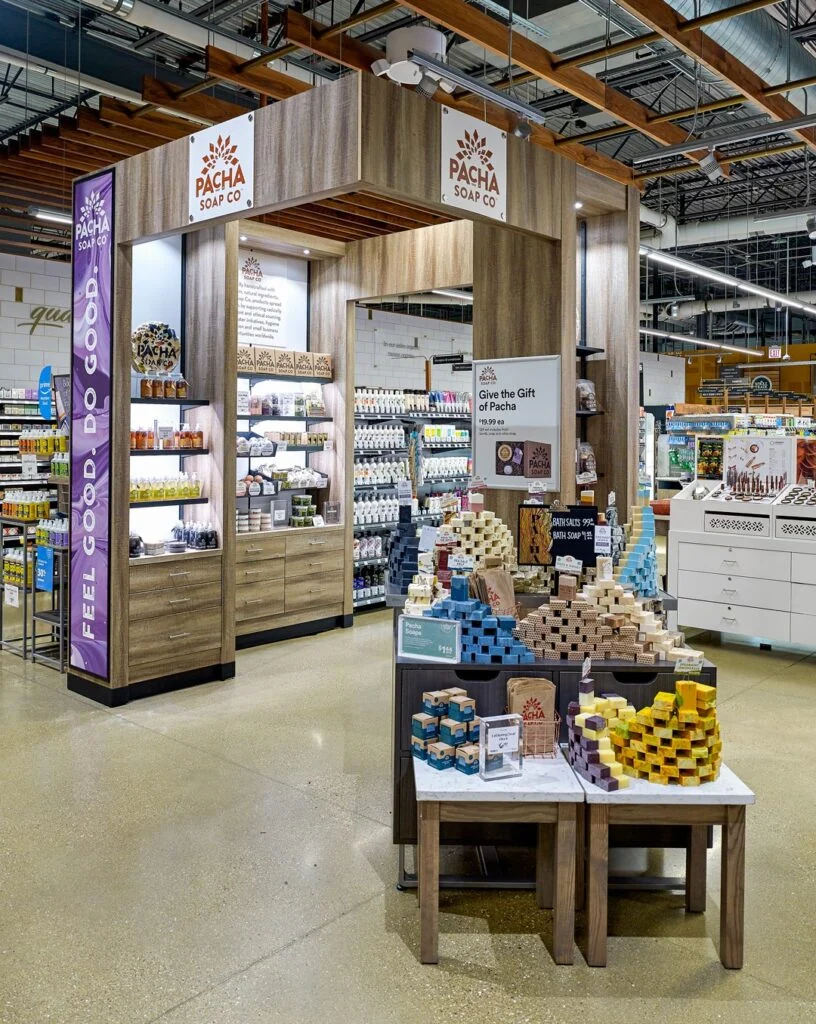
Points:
[(263, 80), (492, 34), (206, 109), (352, 53), (35, 246), (657, 15), (121, 141), (163, 126)]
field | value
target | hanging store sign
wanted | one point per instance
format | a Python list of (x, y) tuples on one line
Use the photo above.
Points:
[(517, 422), (92, 253), (221, 174), (44, 569), (474, 165), (775, 352), (44, 393)]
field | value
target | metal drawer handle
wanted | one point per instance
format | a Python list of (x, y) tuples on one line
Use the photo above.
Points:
[(251, 551), (185, 572), (317, 543), (729, 561), (315, 563), (255, 600), (177, 636), (728, 618), (252, 572), (315, 590), (728, 590), (178, 600)]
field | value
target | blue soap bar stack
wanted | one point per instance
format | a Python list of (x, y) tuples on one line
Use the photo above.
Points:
[(403, 557), (487, 639), (638, 562)]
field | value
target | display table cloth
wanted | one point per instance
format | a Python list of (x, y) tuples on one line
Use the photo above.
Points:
[(721, 802), (548, 793)]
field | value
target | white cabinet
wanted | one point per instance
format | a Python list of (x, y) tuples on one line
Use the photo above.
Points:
[(741, 590), (803, 569), (725, 618), (803, 629), (731, 560)]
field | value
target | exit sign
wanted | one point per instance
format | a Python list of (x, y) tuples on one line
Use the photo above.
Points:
[(774, 352)]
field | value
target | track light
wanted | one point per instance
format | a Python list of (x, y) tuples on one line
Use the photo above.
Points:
[(45, 213), (711, 168), (523, 129), (810, 224), (427, 86)]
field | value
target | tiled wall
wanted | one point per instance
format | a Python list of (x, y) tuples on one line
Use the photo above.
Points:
[(24, 352), (392, 348)]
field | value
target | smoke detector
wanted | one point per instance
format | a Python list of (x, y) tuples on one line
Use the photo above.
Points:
[(398, 66)]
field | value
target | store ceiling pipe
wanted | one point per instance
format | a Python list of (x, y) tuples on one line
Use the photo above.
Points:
[(730, 229), (692, 308), (760, 41)]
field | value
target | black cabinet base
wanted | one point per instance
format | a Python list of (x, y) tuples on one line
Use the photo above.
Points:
[(115, 697), (271, 636)]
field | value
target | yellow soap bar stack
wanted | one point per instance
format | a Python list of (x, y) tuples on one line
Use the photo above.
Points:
[(676, 741)]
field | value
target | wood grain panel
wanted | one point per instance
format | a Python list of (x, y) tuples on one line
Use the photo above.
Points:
[(569, 299), (155, 186), (158, 669), (534, 188), (314, 592), (316, 563), (263, 600), (732, 889), (182, 599), (250, 548), (598, 193), (147, 578), (497, 811), (262, 571), (170, 638), (323, 611), (517, 306)]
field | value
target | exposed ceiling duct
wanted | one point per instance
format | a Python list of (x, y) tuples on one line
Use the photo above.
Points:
[(687, 310)]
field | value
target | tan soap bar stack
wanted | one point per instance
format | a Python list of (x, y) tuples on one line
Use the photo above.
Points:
[(483, 535)]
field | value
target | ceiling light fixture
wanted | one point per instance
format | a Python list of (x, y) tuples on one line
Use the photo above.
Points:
[(710, 166), (810, 224), (578, 204), (242, 238), (690, 339), (46, 213), (306, 252), (523, 129), (453, 293)]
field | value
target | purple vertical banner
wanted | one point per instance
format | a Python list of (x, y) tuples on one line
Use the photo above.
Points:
[(91, 342)]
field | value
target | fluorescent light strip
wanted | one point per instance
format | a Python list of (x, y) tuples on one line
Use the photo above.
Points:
[(732, 282), (452, 293), (690, 339), (57, 216)]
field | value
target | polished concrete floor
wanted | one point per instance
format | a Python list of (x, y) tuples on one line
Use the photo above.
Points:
[(222, 855)]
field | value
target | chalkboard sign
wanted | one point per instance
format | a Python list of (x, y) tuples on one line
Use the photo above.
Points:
[(573, 533)]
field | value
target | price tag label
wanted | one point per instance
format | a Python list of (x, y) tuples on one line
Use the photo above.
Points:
[(404, 496), (282, 446), (461, 562), (503, 740), (603, 540), (566, 563), (318, 521), (688, 666), (328, 446), (29, 466), (12, 595), (586, 668), (427, 538)]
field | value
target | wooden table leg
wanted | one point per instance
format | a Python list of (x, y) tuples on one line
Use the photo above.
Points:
[(696, 853), (429, 882), (419, 853), (545, 866), (732, 888), (598, 884), (580, 857), (564, 908)]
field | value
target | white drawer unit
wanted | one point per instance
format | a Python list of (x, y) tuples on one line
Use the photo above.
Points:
[(803, 600), (803, 569), (725, 618), (757, 563), (803, 629), (735, 590)]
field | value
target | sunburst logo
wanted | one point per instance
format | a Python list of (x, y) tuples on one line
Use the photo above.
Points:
[(221, 172), (93, 217), (487, 375), (474, 146), (251, 269)]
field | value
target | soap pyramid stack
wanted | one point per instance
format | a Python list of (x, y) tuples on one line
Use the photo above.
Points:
[(483, 535), (637, 566), (420, 594), (487, 639), (566, 629), (676, 741), (590, 721), (403, 554)]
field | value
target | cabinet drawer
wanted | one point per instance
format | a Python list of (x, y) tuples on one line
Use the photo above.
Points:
[(184, 572), (314, 563), (180, 599), (803, 568), (310, 542), (258, 600), (259, 571), (169, 637), (741, 590), (314, 591), (803, 598), (254, 546), (803, 629), (727, 561), (732, 618)]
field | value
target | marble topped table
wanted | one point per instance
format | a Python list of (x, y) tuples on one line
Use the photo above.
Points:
[(547, 793), (721, 802)]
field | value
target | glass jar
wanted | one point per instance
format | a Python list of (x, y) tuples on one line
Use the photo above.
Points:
[(181, 387), (170, 388), (198, 437), (145, 388), (158, 388)]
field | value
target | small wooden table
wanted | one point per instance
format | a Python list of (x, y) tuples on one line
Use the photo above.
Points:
[(721, 802), (548, 794)]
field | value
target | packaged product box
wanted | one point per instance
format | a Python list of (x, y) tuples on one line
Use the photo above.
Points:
[(462, 709), (435, 702), (304, 364), (246, 358), (424, 726), (441, 755), (467, 758), (474, 730), (452, 732), (322, 365), (537, 459), (284, 362), (265, 359), (419, 748)]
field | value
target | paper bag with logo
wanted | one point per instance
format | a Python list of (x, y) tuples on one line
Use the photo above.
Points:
[(534, 700), (499, 587)]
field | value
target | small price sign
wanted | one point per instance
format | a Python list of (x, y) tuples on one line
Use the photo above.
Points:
[(603, 540), (566, 563), (688, 666), (29, 466), (404, 496), (12, 595), (428, 639)]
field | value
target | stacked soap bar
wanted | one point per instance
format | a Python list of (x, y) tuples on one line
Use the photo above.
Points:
[(483, 535), (421, 594), (446, 725), (487, 639), (676, 741), (637, 566), (567, 630), (589, 745), (403, 555)]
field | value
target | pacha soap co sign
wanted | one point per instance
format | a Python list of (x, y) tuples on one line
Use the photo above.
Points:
[(474, 165), (221, 175)]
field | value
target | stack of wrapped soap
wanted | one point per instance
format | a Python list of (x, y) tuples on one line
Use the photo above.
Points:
[(483, 535), (446, 732), (487, 639), (676, 741), (589, 747), (423, 590), (637, 566), (403, 553)]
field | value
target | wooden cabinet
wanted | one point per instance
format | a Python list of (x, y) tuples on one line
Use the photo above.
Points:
[(288, 578)]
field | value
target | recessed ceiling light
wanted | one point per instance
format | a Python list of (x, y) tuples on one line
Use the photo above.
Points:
[(306, 252), (578, 204), (243, 238)]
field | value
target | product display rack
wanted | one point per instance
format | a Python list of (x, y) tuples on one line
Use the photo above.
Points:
[(21, 646), (54, 652)]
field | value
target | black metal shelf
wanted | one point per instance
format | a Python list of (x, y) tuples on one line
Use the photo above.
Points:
[(183, 453), (170, 401), (282, 449), (588, 413), (380, 451), (413, 417), (285, 419), (375, 487), (582, 351), (366, 602), (293, 378), (362, 563), (434, 481), (169, 502)]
